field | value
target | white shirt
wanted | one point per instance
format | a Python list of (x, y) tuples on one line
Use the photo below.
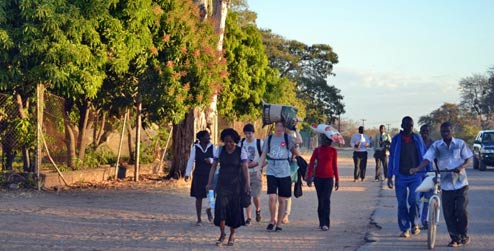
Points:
[(192, 156), (362, 138), (449, 158)]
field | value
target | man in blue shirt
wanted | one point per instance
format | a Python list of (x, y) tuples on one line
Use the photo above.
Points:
[(407, 149), (452, 154)]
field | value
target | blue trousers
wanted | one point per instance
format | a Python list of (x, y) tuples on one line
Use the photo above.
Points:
[(408, 207)]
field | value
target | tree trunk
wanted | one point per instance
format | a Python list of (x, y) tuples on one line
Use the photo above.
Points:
[(130, 142), (21, 108), (182, 139), (70, 140), (83, 121)]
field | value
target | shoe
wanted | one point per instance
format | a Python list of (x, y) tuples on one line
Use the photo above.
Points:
[(210, 215), (220, 241), (355, 180), (454, 244), (278, 229), (425, 227), (324, 228), (415, 230), (270, 227), (405, 234), (258, 216), (247, 222), (466, 240), (198, 224), (362, 180)]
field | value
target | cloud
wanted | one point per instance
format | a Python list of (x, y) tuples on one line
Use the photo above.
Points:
[(386, 97)]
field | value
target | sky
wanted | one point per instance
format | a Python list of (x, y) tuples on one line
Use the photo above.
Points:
[(396, 57)]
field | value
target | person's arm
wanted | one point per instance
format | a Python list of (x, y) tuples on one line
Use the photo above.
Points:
[(310, 169), (209, 186), (190, 162), (429, 157), (245, 169), (297, 140), (335, 170), (466, 153), (213, 169), (262, 162), (391, 164)]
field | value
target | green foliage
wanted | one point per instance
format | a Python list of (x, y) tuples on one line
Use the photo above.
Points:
[(309, 67), (184, 68), (95, 158), (243, 91)]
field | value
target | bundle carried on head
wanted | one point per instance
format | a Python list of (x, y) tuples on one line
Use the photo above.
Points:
[(330, 132), (272, 113)]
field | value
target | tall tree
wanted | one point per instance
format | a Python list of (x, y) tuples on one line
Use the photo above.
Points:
[(184, 72), (309, 67), (477, 96)]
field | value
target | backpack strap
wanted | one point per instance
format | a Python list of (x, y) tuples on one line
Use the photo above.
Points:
[(286, 141), (242, 142), (269, 142), (259, 149)]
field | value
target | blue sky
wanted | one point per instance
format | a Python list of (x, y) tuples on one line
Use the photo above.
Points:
[(396, 57)]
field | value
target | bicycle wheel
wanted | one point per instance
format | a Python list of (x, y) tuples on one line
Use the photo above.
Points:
[(433, 212)]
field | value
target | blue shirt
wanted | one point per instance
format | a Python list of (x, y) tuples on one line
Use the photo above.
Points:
[(449, 158)]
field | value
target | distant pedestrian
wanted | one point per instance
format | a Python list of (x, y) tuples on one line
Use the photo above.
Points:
[(253, 147), (452, 154), (381, 147), (323, 170), (233, 181), (407, 151), (425, 196), (202, 155), (360, 142)]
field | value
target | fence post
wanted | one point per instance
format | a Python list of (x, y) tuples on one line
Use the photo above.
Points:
[(39, 126)]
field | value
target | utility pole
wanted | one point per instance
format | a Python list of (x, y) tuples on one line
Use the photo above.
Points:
[(388, 127), (363, 122)]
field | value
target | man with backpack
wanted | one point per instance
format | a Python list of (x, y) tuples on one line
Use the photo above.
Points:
[(253, 148), (277, 153)]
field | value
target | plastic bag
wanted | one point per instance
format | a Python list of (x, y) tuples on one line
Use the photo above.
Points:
[(426, 185)]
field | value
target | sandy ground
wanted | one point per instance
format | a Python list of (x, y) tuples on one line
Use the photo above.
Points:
[(160, 215)]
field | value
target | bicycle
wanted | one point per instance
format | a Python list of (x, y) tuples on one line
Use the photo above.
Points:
[(434, 209)]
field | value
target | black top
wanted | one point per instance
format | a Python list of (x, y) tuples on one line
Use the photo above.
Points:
[(409, 157)]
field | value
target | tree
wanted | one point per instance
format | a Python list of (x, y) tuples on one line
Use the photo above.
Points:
[(184, 72), (477, 96), (309, 67)]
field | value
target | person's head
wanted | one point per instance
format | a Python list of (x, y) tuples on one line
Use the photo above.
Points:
[(279, 128), (203, 137), (229, 137), (407, 124), (325, 141), (249, 131), (382, 129), (446, 131), (361, 129), (425, 131)]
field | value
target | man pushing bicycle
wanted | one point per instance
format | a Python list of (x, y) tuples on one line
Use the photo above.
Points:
[(452, 154)]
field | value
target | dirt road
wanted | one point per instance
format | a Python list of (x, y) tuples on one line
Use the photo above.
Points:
[(161, 216)]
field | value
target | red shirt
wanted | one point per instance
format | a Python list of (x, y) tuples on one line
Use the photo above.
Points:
[(326, 157)]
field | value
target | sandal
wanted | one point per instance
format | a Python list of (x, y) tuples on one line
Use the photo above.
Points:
[(247, 222), (220, 241), (231, 241)]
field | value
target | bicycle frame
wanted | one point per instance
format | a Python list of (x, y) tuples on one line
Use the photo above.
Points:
[(436, 195)]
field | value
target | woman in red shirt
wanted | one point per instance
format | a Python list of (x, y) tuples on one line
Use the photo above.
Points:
[(323, 170)]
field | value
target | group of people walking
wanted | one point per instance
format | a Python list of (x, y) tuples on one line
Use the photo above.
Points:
[(401, 160), (238, 165), (405, 158)]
